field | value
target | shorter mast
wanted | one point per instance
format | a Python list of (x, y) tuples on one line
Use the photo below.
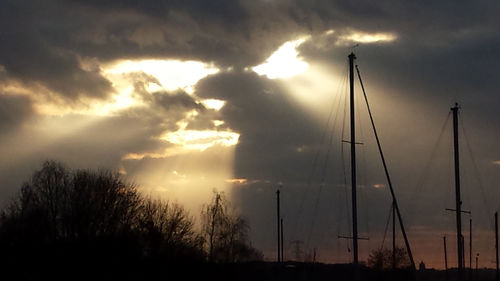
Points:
[(458, 201)]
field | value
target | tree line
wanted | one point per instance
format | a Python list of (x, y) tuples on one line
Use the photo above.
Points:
[(95, 216)]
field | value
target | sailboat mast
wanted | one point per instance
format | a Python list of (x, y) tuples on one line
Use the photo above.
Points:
[(352, 57), (457, 192)]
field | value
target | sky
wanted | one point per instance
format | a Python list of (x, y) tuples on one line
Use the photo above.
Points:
[(244, 97)]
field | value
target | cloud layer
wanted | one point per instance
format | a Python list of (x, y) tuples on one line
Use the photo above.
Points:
[(417, 59)]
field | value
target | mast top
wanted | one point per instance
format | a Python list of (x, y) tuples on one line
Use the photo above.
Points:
[(455, 107), (352, 55)]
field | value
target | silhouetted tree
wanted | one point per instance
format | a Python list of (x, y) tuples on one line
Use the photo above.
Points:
[(79, 220), (382, 258), (168, 230), (226, 232), (85, 213)]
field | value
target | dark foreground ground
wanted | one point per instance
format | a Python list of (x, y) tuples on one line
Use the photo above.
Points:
[(256, 271)]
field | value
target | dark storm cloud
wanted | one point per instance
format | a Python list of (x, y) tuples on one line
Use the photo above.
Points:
[(29, 53), (271, 125), (43, 42)]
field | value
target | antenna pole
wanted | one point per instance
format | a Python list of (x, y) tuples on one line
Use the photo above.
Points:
[(352, 57), (445, 259), (496, 246), (458, 201), (278, 219)]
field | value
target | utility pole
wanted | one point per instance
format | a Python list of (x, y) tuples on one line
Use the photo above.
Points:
[(278, 226), (445, 259), (352, 57), (496, 246), (458, 201)]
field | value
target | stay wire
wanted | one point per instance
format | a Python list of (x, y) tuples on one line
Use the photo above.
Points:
[(425, 172), (346, 196), (325, 168), (314, 165), (476, 169), (386, 227)]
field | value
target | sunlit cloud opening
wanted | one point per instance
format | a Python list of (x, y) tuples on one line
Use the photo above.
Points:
[(172, 74), (378, 185), (496, 162), (314, 89), (284, 62), (213, 104), (329, 32), (201, 140), (365, 37), (217, 123), (237, 181)]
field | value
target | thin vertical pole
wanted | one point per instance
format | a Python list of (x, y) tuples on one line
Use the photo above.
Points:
[(352, 57), (463, 253), (212, 231), (496, 246), (393, 235), (458, 201), (282, 248), (445, 259), (278, 219), (470, 248)]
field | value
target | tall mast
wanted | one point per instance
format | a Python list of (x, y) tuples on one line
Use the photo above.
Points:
[(352, 57), (458, 201)]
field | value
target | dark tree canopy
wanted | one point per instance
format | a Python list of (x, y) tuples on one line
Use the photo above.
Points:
[(62, 213), (76, 220)]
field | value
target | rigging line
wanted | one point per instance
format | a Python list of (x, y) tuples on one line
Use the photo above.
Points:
[(323, 177), (364, 174), (476, 170), (315, 161), (386, 227), (348, 210), (394, 200), (427, 167)]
